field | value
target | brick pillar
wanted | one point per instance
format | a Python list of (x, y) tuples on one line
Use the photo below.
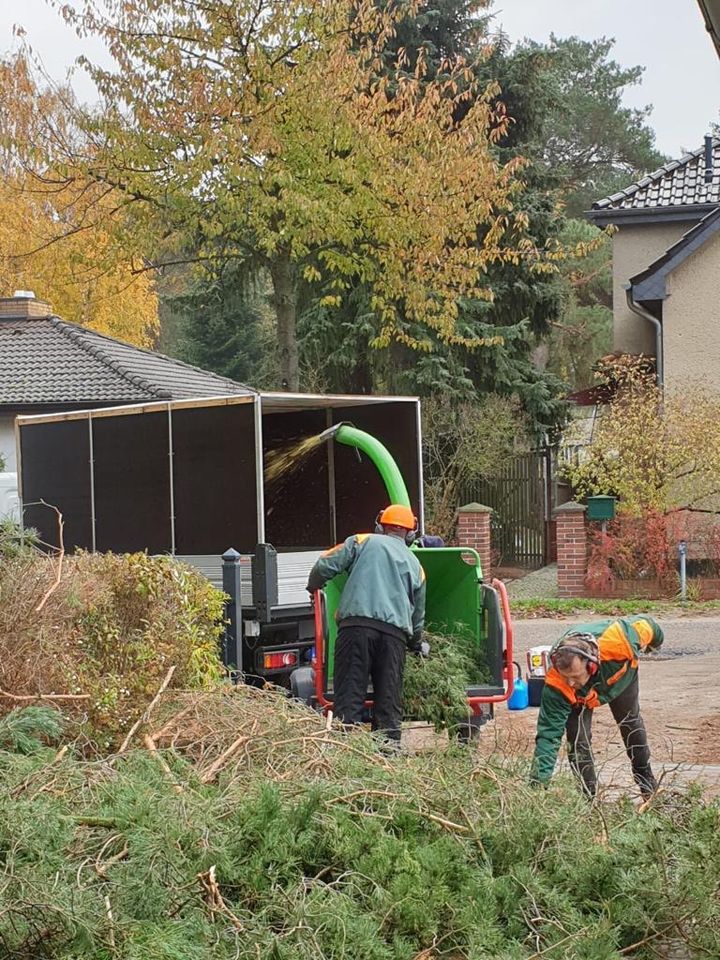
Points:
[(571, 549), (473, 530)]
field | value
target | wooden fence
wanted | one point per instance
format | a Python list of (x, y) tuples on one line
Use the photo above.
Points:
[(521, 498)]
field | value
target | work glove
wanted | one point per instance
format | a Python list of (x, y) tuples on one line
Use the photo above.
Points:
[(421, 648)]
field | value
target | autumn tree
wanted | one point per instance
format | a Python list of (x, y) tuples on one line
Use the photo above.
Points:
[(274, 134), (544, 331), (657, 451), (524, 301), (60, 245)]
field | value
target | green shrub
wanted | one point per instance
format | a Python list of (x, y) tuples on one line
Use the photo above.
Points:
[(16, 540)]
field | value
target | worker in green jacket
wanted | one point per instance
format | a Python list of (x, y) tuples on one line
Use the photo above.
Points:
[(380, 616), (593, 664)]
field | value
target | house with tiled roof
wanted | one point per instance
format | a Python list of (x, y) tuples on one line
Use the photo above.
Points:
[(48, 365), (711, 15), (666, 266)]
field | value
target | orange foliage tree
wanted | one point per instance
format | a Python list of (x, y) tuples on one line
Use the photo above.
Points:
[(62, 245)]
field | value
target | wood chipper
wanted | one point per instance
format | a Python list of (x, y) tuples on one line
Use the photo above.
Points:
[(458, 604)]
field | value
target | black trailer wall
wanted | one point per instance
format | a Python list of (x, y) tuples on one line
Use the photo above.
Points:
[(297, 502), (215, 479), (55, 461), (359, 490), (208, 485), (132, 483)]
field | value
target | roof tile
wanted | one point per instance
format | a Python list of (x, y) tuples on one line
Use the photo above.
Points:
[(49, 361), (677, 183)]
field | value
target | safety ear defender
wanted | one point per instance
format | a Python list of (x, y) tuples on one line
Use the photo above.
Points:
[(409, 536), (593, 662)]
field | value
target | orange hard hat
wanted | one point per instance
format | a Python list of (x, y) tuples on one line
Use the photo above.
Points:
[(397, 515)]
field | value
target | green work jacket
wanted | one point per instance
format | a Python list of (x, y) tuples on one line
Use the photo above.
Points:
[(386, 583)]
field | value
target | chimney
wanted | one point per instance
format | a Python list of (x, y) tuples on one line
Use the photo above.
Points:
[(708, 159), (23, 306)]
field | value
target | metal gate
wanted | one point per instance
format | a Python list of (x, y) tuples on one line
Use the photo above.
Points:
[(520, 498)]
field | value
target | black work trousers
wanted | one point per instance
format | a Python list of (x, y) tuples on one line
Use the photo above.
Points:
[(363, 653), (626, 712)]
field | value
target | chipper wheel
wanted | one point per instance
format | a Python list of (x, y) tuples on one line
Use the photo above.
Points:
[(469, 729), (302, 685)]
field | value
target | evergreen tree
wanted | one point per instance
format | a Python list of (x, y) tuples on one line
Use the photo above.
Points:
[(594, 143), (223, 324)]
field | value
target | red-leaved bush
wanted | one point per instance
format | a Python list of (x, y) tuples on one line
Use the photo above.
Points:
[(637, 548)]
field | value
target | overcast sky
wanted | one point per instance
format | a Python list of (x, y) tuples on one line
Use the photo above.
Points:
[(667, 37)]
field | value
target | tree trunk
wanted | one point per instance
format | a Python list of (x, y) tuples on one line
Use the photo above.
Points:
[(282, 273), (541, 356), (360, 379)]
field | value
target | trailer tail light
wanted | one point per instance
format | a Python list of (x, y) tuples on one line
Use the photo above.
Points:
[(280, 660)]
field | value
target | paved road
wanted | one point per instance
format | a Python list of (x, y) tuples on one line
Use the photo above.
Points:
[(693, 634)]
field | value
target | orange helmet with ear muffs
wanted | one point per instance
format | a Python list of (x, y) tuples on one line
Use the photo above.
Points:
[(568, 646), (397, 515)]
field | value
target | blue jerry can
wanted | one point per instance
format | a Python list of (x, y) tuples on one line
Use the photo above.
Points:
[(519, 699)]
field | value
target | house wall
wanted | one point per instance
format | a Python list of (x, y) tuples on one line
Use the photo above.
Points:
[(635, 247), (7, 441), (691, 319)]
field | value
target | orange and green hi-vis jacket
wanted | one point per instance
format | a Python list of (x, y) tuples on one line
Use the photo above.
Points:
[(619, 643)]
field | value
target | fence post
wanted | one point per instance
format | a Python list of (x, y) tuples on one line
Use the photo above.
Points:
[(473, 530), (232, 637), (549, 542), (682, 554), (571, 549)]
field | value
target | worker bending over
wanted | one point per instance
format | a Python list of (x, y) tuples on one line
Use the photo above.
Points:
[(381, 614), (593, 664)]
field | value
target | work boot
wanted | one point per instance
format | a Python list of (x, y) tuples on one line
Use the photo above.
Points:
[(389, 746), (645, 779)]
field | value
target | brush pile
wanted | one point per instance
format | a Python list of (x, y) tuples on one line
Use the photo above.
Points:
[(236, 824), (435, 687), (147, 822)]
